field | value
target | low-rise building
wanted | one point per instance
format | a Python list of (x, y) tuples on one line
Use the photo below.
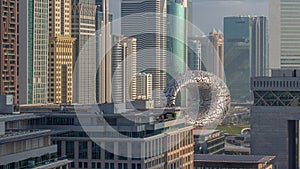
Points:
[(95, 137), (209, 142), (22, 148), (205, 161)]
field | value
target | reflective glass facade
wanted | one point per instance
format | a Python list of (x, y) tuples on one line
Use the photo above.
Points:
[(37, 53), (246, 53), (176, 41)]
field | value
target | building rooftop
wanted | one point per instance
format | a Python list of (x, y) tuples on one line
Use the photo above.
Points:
[(12, 136), (23, 116), (245, 159), (205, 132)]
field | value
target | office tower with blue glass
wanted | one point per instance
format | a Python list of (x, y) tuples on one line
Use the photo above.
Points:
[(246, 53), (176, 42)]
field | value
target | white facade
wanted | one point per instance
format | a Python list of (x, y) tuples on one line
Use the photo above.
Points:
[(284, 34), (144, 86), (84, 76)]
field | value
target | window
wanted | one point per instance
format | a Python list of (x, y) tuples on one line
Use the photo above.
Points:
[(96, 151), (82, 146), (70, 149)]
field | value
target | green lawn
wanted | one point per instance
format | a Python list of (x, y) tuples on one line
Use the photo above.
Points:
[(232, 129)]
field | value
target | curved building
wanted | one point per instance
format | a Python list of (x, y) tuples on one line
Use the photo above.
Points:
[(176, 41), (215, 97)]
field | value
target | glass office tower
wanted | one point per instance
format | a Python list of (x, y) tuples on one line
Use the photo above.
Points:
[(176, 40), (246, 53), (34, 51)]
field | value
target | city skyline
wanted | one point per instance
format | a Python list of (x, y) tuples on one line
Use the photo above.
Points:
[(220, 8), (129, 84)]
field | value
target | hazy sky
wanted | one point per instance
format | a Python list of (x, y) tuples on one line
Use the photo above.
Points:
[(208, 14)]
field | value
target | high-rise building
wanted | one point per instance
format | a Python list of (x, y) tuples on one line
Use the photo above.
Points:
[(105, 69), (84, 75), (176, 37), (217, 42), (190, 17), (194, 53), (246, 53), (275, 117), (147, 23), (9, 49), (212, 52), (176, 42), (144, 86), (123, 69), (284, 34), (100, 46), (33, 76), (60, 61)]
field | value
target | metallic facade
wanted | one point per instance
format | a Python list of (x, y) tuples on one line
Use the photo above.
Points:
[(216, 101), (9, 50)]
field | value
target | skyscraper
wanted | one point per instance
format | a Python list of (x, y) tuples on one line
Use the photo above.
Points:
[(84, 76), (176, 37), (176, 42), (194, 53), (217, 41), (34, 51), (105, 57), (147, 23), (144, 86), (9, 50), (60, 62), (246, 53), (123, 69), (284, 34)]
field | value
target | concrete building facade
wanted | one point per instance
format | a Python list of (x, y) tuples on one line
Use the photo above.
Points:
[(9, 48), (275, 117), (123, 69), (22, 148), (284, 35), (61, 52), (144, 86), (83, 29), (151, 140)]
